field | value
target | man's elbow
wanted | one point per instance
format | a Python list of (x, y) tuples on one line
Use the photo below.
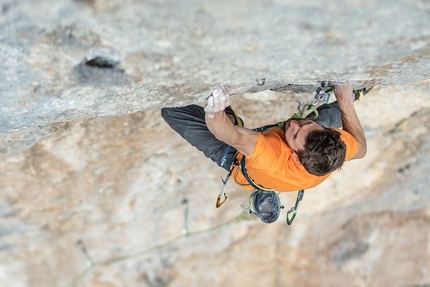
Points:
[(244, 145), (361, 152)]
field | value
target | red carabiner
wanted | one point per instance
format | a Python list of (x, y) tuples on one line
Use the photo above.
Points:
[(219, 202)]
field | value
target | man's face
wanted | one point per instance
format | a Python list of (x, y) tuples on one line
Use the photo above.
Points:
[(296, 131)]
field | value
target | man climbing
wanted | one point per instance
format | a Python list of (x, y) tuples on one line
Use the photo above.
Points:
[(296, 154)]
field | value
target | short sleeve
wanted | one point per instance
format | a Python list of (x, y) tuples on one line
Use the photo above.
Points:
[(268, 150), (350, 142)]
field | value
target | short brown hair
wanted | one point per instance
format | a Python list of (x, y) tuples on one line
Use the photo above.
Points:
[(324, 152)]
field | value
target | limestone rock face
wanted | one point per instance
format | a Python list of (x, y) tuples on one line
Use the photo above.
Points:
[(69, 59), (96, 190)]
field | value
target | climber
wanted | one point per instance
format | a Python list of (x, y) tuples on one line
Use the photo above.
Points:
[(292, 155)]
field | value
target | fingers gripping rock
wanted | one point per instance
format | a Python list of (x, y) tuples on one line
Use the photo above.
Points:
[(218, 101)]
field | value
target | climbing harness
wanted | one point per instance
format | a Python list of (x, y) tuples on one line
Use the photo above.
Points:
[(264, 203)]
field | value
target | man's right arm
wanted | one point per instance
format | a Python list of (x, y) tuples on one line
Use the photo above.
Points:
[(242, 139), (350, 122)]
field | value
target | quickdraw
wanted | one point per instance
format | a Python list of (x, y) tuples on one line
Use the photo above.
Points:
[(222, 195), (323, 92), (293, 209)]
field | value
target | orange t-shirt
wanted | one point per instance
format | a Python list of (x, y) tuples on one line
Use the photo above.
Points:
[(273, 166)]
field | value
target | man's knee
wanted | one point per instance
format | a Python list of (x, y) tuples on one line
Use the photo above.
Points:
[(165, 113), (170, 115)]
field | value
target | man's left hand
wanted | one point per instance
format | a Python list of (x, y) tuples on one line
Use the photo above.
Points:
[(218, 101)]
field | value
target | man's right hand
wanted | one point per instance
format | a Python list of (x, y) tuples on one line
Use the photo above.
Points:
[(218, 101)]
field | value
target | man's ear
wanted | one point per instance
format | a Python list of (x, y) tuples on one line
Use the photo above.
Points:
[(296, 157)]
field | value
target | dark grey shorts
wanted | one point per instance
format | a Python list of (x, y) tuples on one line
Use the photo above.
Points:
[(329, 116), (189, 122)]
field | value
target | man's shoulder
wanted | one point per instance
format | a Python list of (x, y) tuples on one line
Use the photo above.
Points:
[(272, 137), (271, 145), (350, 142), (274, 130)]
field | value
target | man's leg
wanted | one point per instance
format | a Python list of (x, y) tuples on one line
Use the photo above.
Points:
[(189, 122), (329, 115)]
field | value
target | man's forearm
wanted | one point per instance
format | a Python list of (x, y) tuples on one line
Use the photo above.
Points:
[(224, 130), (345, 98), (351, 124), (221, 127)]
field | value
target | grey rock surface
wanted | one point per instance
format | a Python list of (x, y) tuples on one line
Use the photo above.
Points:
[(94, 185), (68, 60)]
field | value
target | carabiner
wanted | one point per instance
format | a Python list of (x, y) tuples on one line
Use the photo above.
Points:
[(322, 92), (295, 207), (222, 193), (218, 200), (290, 220)]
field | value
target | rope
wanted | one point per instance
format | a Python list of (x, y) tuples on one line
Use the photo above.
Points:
[(302, 112)]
